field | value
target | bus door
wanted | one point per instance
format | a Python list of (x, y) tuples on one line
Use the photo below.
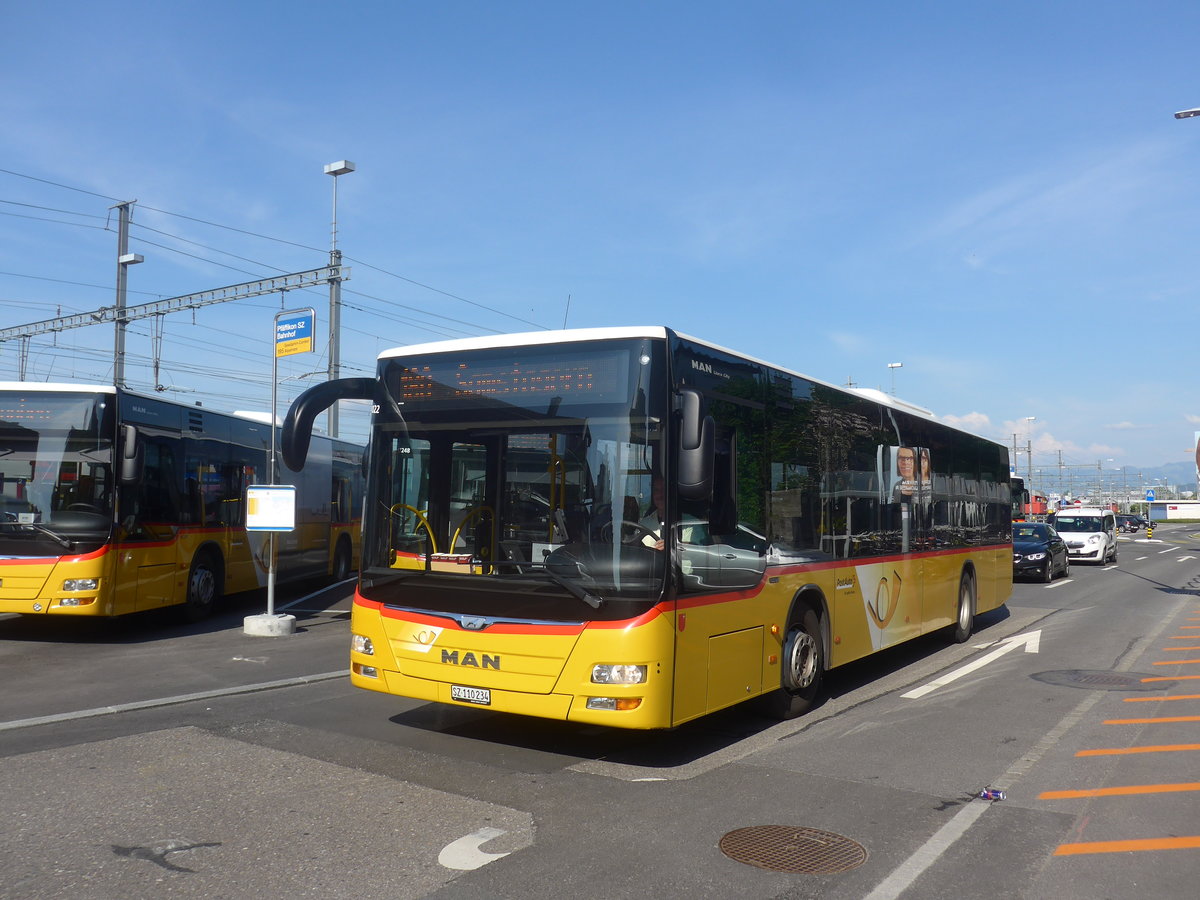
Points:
[(148, 573), (720, 641), (892, 589)]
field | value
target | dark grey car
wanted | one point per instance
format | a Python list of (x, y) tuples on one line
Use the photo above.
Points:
[(1038, 552)]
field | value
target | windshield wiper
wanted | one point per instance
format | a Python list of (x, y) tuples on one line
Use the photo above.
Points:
[(58, 539), (576, 589)]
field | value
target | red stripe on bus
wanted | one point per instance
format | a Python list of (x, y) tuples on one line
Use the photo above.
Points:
[(446, 622), (95, 554)]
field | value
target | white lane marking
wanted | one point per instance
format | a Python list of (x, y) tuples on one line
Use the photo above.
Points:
[(902, 877), (318, 593), (465, 855), (1168, 550), (1031, 640), (929, 852), (171, 701)]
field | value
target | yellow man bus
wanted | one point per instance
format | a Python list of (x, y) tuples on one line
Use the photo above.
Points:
[(632, 527), (112, 502)]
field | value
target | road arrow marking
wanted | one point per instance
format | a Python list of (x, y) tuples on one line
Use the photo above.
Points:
[(1182, 558), (1031, 640), (465, 855)]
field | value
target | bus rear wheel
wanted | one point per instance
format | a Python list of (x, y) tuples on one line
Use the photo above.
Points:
[(342, 560), (203, 588), (964, 622), (802, 664)]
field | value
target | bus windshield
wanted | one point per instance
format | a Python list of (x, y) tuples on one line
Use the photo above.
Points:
[(56, 484), (533, 478)]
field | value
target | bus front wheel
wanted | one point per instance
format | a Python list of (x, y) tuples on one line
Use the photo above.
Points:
[(802, 664), (203, 588)]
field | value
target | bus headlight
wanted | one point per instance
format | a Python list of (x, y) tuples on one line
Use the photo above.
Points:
[(81, 584), (618, 674), (360, 643)]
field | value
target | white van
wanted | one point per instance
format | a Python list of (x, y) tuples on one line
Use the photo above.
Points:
[(1090, 533)]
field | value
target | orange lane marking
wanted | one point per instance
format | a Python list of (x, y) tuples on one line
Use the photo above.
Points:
[(1178, 649), (1182, 637), (1152, 721), (1178, 843), (1121, 791), (1160, 699), (1186, 627), (1176, 662), (1171, 678), (1122, 751)]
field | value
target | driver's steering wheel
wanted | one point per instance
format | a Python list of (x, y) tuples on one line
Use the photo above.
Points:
[(631, 532)]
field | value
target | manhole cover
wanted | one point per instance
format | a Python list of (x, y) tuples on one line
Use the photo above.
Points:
[(785, 848), (1100, 680)]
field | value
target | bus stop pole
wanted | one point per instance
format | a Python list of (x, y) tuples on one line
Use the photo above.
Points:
[(271, 480), (270, 624)]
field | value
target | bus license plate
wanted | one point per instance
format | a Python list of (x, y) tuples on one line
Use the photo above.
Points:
[(480, 696)]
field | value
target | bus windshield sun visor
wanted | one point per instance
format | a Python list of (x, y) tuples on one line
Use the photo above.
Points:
[(298, 425)]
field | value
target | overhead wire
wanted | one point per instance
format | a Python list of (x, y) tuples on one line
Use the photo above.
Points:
[(286, 242), (375, 306)]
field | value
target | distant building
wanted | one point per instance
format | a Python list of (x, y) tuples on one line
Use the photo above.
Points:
[(1167, 510)]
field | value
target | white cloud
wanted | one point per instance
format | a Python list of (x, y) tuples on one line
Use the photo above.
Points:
[(1127, 426), (847, 341), (1073, 191), (975, 422)]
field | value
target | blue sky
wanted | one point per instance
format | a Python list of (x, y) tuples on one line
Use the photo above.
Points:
[(994, 194)]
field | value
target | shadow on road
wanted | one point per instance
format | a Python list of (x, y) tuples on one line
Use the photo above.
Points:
[(666, 749), (169, 623)]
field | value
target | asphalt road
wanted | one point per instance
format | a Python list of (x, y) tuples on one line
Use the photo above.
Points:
[(142, 757)]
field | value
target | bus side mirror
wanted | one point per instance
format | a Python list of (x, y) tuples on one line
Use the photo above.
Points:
[(697, 441), (132, 456), (298, 425)]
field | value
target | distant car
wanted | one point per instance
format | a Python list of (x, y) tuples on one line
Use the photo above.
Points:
[(1038, 552), (1090, 533), (1130, 523)]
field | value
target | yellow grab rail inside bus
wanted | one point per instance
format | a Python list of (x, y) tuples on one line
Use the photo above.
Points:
[(421, 520)]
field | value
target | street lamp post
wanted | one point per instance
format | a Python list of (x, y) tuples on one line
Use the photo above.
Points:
[(341, 167), (1029, 449), (894, 367), (125, 259)]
